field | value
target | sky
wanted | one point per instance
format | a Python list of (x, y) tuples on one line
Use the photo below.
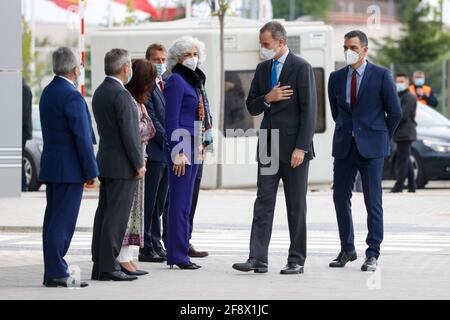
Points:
[(97, 13)]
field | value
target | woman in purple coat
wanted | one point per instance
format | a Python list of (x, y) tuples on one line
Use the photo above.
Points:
[(187, 121)]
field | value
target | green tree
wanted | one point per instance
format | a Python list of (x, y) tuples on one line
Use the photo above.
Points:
[(26, 51), (314, 8), (424, 38), (423, 44), (43, 65)]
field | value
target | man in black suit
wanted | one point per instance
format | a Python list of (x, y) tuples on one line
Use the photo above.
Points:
[(120, 162), (404, 136), (157, 175), (27, 125), (284, 90)]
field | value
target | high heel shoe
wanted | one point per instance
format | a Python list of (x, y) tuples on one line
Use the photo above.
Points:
[(186, 266), (133, 273)]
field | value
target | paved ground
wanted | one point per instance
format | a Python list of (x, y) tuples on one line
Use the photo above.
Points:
[(414, 263)]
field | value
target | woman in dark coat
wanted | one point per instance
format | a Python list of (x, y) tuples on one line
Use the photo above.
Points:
[(187, 123)]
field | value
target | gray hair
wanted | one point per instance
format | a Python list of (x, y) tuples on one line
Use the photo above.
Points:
[(64, 61), (276, 29), (183, 45), (114, 61)]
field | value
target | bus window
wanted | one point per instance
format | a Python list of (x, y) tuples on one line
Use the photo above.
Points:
[(319, 74), (237, 86)]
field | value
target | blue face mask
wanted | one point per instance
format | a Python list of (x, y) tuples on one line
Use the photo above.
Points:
[(161, 68), (420, 82), (401, 86)]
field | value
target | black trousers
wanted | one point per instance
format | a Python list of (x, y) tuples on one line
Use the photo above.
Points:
[(110, 223), (198, 181), (295, 183), (156, 188), (403, 166)]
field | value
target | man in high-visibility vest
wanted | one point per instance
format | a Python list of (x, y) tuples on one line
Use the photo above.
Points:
[(424, 93)]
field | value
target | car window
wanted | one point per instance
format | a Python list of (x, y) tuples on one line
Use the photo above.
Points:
[(428, 117), (36, 120)]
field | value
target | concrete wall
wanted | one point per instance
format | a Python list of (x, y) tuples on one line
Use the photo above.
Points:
[(10, 99)]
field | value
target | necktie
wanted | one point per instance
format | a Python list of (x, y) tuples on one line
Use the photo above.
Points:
[(353, 91), (161, 86), (275, 73)]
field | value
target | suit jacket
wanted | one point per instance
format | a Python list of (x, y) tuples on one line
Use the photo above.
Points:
[(181, 108), (406, 130), (27, 124), (156, 108), (120, 153), (295, 118), (375, 117), (68, 154)]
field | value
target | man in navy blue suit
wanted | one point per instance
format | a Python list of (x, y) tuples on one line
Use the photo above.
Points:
[(157, 175), (67, 163), (366, 109)]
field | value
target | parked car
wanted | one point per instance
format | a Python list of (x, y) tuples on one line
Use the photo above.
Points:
[(32, 153), (430, 154)]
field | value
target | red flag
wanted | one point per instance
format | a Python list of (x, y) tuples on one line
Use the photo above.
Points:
[(142, 5), (71, 5)]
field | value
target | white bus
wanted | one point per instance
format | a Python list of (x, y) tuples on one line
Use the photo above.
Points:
[(311, 40)]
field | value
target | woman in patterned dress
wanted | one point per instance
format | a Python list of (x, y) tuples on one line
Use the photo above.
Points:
[(141, 84)]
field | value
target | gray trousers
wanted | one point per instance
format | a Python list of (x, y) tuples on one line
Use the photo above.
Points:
[(110, 223), (295, 183)]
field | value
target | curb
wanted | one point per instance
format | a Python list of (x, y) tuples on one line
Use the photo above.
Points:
[(36, 229)]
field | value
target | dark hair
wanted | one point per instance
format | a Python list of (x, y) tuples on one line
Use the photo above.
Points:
[(154, 46), (143, 80), (401, 74), (358, 34), (276, 29)]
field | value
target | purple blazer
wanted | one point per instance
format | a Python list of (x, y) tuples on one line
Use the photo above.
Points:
[(181, 108)]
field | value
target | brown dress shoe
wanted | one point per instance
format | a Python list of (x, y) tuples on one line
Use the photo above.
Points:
[(196, 254)]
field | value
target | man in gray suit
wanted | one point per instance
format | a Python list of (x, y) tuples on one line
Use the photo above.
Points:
[(284, 90), (120, 162)]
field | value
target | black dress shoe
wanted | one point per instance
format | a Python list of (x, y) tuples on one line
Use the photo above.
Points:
[(186, 266), (151, 256), (370, 264), (115, 276), (292, 268), (161, 252), (252, 264), (68, 282), (196, 254), (133, 273), (343, 258), (395, 190)]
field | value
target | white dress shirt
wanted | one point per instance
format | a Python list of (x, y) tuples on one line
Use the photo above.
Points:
[(281, 61), (68, 80)]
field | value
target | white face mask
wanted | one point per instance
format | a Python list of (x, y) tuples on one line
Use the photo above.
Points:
[(401, 86), (191, 63), (351, 57), (268, 54), (161, 68)]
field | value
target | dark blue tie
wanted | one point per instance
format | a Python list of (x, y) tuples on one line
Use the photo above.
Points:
[(274, 73)]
